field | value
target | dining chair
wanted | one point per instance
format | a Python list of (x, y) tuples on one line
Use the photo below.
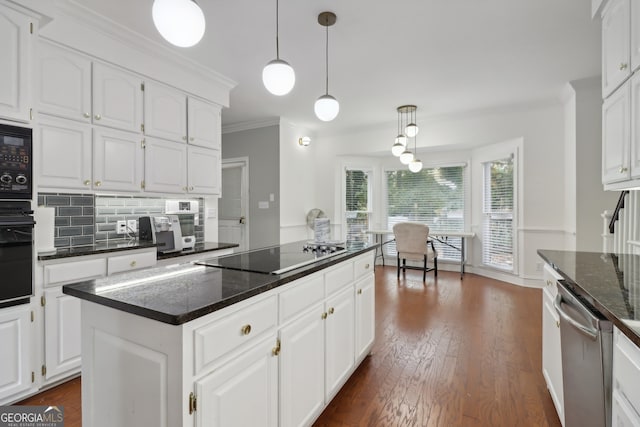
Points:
[(412, 243)]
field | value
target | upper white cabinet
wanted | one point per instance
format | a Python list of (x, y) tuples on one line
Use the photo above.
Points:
[(616, 61), (15, 352), (616, 136), (117, 98), (204, 123), (16, 42), (165, 112), (203, 171), (118, 160), (165, 166), (635, 34), (64, 86)]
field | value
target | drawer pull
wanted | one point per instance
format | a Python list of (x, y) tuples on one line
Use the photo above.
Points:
[(623, 66), (366, 266), (324, 315), (359, 291), (246, 330), (331, 310), (133, 263)]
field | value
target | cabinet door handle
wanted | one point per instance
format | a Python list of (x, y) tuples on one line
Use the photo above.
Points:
[(366, 266), (86, 115), (184, 138), (557, 323), (87, 182), (192, 139), (98, 116), (622, 169), (276, 350), (623, 66), (133, 263), (331, 310), (191, 188), (98, 183), (359, 291), (324, 315), (246, 330)]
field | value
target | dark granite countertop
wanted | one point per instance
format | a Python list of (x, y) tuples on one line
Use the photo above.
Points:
[(180, 293), (102, 248), (610, 282)]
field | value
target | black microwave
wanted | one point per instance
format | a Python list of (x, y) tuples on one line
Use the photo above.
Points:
[(15, 162)]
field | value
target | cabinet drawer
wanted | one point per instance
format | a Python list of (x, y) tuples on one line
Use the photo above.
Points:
[(363, 265), (117, 264), (626, 368), (301, 296), (338, 277), (230, 332), (75, 271)]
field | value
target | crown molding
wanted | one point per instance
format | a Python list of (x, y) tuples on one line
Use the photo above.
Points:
[(248, 125)]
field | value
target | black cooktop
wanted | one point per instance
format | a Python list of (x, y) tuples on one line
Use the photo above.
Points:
[(276, 260)]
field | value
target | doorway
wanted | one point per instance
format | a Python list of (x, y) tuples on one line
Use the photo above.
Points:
[(233, 205)]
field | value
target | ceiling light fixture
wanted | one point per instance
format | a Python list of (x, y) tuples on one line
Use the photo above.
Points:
[(407, 111), (401, 141), (327, 107), (180, 22), (415, 165), (304, 141), (278, 76), (412, 129)]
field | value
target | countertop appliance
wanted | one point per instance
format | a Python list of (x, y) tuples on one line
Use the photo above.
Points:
[(164, 231), (16, 252), (188, 212), (587, 354), (15, 162), (278, 259)]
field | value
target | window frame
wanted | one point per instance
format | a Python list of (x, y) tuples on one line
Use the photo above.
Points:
[(369, 171)]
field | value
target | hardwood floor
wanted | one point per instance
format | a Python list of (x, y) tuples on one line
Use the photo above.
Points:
[(449, 353)]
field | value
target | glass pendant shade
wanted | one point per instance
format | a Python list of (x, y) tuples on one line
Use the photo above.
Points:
[(406, 157), (397, 149), (411, 130), (401, 139), (326, 108), (415, 165), (278, 77), (180, 22)]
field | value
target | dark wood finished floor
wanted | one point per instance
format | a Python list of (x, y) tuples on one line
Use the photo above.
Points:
[(449, 353)]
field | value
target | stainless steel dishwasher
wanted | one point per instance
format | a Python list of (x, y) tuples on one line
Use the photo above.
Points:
[(586, 342)]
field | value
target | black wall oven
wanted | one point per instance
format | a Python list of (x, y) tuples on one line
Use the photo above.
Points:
[(16, 252), (15, 162)]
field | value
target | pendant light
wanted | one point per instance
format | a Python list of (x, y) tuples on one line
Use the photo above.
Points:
[(412, 128), (180, 22), (415, 165), (406, 157), (327, 107), (401, 141), (278, 76)]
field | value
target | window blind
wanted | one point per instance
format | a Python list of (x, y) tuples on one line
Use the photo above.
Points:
[(498, 207), (357, 203), (434, 196)]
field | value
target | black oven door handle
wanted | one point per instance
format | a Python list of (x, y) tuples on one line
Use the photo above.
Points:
[(26, 222)]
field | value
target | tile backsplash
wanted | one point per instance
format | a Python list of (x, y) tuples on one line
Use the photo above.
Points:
[(87, 219)]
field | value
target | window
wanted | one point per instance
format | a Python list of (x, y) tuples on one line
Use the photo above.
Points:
[(357, 203), (435, 196), (498, 207)]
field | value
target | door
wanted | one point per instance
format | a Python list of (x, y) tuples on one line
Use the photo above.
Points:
[(234, 202), (62, 334), (15, 353), (117, 160), (117, 98)]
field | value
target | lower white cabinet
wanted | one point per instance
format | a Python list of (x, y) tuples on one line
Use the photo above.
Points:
[(16, 334), (61, 334), (365, 315), (625, 382), (244, 392), (339, 341), (551, 351)]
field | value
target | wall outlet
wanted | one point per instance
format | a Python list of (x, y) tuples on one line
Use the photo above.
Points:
[(132, 225), (121, 227)]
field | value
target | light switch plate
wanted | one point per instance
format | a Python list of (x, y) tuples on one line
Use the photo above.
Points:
[(263, 205)]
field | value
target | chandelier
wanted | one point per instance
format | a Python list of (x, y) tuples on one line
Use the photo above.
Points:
[(407, 129)]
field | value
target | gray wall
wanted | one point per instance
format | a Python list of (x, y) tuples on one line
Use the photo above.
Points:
[(261, 146)]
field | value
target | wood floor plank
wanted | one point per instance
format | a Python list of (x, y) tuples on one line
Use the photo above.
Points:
[(447, 353)]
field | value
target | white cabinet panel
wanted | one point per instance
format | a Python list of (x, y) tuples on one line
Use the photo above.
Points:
[(62, 334), (165, 112), (242, 393), (165, 165), (365, 315), (338, 277), (117, 98), (118, 160), (204, 124), (635, 34), (74, 271), (63, 154), (15, 68), (64, 86), (302, 369), (616, 135), (616, 65), (339, 341), (15, 352), (204, 173), (635, 125), (129, 262), (622, 413)]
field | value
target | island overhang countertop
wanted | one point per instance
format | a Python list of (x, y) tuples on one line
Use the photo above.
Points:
[(177, 294)]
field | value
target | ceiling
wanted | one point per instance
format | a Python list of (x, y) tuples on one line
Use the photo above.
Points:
[(445, 56)]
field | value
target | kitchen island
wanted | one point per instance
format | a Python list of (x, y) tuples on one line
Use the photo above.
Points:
[(201, 345)]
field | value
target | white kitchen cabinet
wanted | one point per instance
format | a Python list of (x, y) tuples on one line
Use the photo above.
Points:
[(64, 83), (63, 154), (62, 334), (635, 34), (203, 169), (625, 381), (16, 45), (365, 315), (118, 160), (165, 112), (117, 98), (551, 351), (165, 166), (616, 66), (616, 137), (243, 392), (16, 332), (204, 120), (339, 340), (302, 368)]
